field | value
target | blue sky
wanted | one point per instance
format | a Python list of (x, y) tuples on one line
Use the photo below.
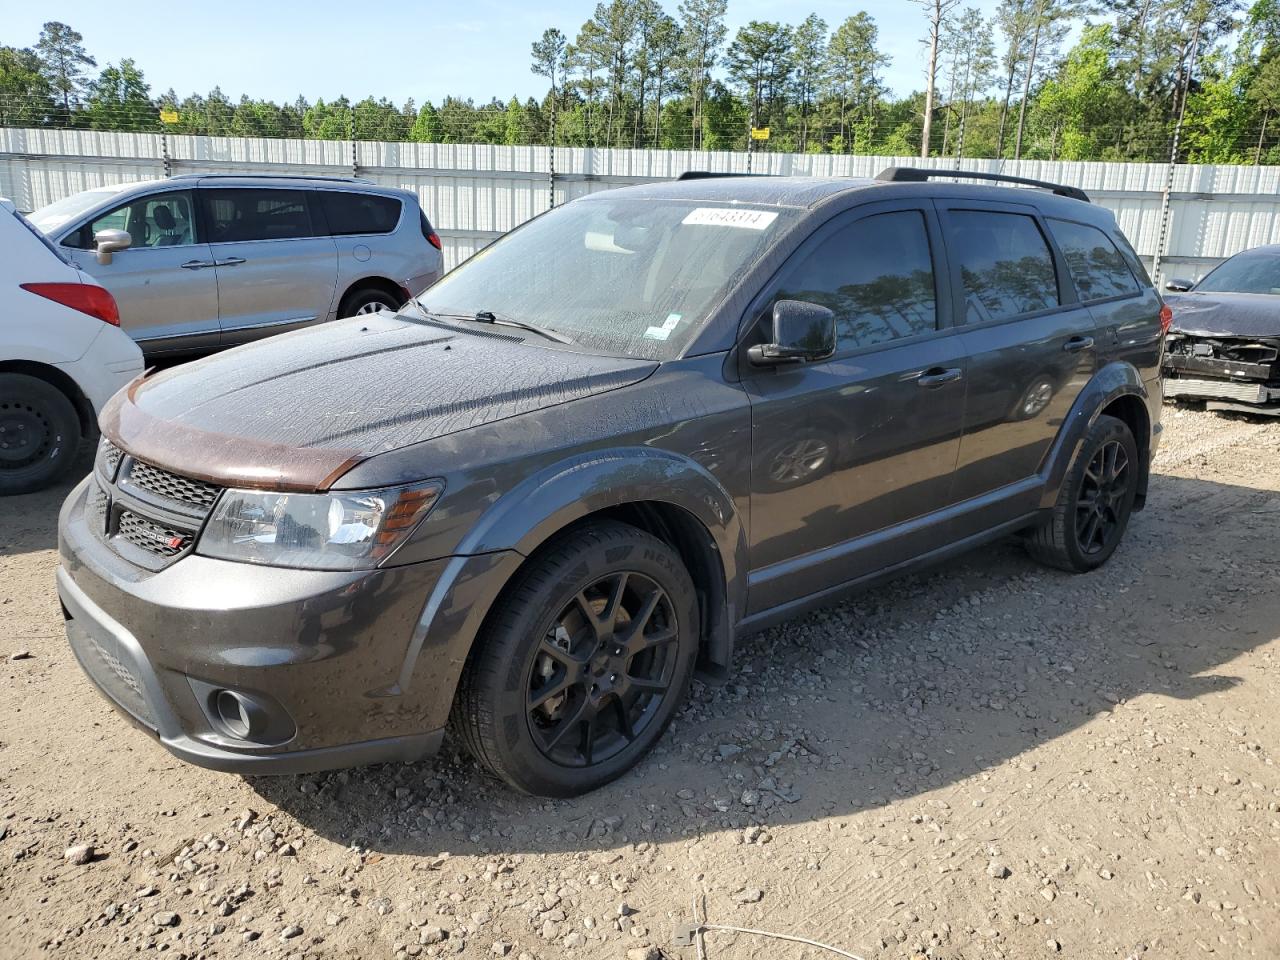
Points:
[(392, 48)]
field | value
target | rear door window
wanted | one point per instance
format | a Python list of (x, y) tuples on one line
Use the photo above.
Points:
[(236, 216), (355, 213), (1005, 262), (1098, 268), (876, 275)]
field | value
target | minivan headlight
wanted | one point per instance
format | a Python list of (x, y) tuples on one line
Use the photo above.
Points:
[(347, 530)]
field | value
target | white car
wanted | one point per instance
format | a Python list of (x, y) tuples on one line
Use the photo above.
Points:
[(62, 356)]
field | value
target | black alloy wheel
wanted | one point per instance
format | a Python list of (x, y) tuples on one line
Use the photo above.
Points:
[(583, 661), (1094, 503), (1103, 494), (602, 670)]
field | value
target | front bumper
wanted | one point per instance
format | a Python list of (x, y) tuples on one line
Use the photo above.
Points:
[(348, 666)]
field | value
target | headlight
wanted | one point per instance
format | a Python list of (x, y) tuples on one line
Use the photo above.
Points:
[(350, 530)]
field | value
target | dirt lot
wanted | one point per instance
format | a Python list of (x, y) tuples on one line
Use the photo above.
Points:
[(988, 761)]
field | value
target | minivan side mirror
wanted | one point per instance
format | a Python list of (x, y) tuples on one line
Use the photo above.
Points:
[(801, 331), (1179, 286), (107, 242)]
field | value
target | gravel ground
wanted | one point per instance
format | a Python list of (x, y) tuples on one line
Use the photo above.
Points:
[(990, 760)]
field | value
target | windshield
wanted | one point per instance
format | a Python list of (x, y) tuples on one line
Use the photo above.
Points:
[(628, 276), (50, 218), (1250, 273)]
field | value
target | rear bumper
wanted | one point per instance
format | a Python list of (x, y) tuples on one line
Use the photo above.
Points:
[(111, 363)]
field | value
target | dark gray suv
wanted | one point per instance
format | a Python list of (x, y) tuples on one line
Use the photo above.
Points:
[(530, 504)]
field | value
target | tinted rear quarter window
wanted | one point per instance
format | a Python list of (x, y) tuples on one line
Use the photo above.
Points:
[(1098, 268), (355, 213), (1005, 264), (234, 216), (875, 274)]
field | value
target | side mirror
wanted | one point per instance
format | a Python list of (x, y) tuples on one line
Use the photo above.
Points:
[(801, 331), (1179, 286), (107, 242)]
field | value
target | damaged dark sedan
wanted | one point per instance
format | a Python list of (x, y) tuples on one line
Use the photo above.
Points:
[(527, 507), (1224, 344)]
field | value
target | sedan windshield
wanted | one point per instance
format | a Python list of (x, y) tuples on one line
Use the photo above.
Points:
[(627, 276), (1247, 273)]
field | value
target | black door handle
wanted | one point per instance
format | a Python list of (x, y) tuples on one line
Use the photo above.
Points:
[(1076, 344), (937, 376)]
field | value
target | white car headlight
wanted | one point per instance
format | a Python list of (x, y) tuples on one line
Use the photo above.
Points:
[(348, 530)]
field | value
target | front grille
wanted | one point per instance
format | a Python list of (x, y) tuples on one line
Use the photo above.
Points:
[(154, 538), (170, 486)]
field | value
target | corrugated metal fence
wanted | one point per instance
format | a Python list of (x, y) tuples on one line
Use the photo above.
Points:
[(475, 192)]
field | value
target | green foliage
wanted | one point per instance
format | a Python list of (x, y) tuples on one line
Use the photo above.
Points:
[(636, 75)]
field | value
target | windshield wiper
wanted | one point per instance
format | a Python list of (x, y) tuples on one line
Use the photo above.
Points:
[(488, 316)]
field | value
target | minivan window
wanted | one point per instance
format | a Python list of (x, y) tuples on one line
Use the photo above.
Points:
[(355, 213), (157, 220), (875, 274), (1005, 264), (235, 216), (1098, 269)]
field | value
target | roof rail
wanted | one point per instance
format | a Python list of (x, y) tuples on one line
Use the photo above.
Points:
[(711, 174), (271, 176), (918, 175)]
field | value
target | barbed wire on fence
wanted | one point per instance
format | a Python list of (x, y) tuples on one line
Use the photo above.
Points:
[(505, 127)]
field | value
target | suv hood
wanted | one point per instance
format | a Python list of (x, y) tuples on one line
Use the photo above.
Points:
[(1226, 314), (296, 411)]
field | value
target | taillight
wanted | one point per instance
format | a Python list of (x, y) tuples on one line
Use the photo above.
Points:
[(433, 238), (85, 297), (1166, 318)]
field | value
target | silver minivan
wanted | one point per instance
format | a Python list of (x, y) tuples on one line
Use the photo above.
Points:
[(204, 261)]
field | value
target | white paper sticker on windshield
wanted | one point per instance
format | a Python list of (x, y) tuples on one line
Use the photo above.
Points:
[(664, 331), (731, 217)]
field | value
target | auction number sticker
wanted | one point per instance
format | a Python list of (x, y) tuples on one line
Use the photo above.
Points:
[(664, 331), (731, 217)]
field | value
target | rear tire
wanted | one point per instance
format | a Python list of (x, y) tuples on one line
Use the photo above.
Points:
[(39, 433), (1095, 503), (582, 663), (367, 300)]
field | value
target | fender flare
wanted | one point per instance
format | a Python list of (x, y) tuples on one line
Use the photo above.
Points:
[(1116, 379), (550, 500)]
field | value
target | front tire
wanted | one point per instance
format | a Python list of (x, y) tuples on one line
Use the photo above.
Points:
[(39, 433), (1095, 503), (583, 662)]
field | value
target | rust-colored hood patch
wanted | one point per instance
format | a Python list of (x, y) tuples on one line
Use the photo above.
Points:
[(297, 411)]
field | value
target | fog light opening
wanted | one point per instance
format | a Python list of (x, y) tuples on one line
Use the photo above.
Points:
[(237, 714)]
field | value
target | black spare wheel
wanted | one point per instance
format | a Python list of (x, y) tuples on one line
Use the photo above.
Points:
[(582, 663), (39, 433)]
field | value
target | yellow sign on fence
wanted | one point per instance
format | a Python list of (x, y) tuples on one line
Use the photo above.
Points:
[(759, 133), (168, 116)]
